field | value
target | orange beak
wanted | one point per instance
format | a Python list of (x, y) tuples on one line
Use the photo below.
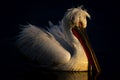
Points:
[(81, 34)]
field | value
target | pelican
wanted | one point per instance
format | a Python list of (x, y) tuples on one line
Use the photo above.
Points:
[(61, 47)]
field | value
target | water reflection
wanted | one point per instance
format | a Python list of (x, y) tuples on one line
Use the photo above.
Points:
[(73, 76), (57, 75)]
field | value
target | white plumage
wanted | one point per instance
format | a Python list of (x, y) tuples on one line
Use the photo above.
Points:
[(56, 48)]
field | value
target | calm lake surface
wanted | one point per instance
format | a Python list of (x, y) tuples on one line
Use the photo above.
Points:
[(36, 74)]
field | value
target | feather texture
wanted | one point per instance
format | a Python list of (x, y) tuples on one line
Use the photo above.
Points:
[(42, 46)]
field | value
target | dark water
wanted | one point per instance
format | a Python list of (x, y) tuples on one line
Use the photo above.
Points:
[(28, 72), (53, 75)]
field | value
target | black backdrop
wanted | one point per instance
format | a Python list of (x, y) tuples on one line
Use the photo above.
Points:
[(103, 29)]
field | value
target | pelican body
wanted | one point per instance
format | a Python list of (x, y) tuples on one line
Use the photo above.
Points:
[(57, 47)]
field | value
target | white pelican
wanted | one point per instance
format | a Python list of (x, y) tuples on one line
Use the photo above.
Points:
[(60, 47)]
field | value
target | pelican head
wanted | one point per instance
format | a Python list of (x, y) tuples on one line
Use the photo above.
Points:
[(76, 17)]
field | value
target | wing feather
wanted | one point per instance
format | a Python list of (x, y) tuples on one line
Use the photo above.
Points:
[(42, 46)]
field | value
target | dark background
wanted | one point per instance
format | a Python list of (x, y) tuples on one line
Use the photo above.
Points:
[(103, 30)]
